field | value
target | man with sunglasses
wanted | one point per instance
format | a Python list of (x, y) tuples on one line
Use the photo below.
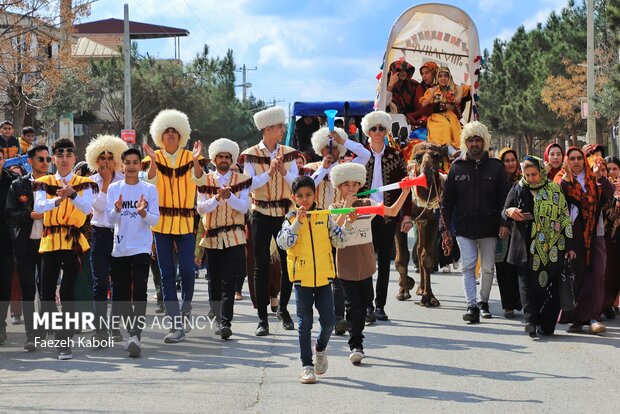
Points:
[(66, 200), (26, 230), (386, 166), (473, 199), (103, 154)]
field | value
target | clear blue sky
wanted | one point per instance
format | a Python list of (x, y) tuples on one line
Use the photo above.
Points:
[(306, 50)]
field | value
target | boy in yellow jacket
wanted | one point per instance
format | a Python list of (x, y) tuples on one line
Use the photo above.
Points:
[(308, 239)]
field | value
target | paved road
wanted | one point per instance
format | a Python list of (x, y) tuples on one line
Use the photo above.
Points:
[(422, 360)]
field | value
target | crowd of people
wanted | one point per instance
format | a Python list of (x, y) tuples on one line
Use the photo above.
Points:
[(260, 213)]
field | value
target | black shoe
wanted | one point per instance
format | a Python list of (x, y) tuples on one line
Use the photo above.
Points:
[(370, 316), (116, 335), (484, 310), (225, 332), (472, 315), (262, 329), (610, 313), (530, 329), (29, 345), (160, 308), (341, 327), (287, 322), (381, 315), (3, 336)]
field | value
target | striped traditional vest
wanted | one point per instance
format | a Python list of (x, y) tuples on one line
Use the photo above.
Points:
[(224, 226), (62, 225), (274, 198), (177, 193)]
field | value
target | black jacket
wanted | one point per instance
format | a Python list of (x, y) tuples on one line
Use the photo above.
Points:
[(19, 205), (6, 178), (474, 196)]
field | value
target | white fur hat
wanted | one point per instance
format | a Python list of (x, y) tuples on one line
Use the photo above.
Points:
[(170, 118), (270, 116), (347, 171), (104, 143), (224, 145), (320, 140), (376, 118), (473, 129)]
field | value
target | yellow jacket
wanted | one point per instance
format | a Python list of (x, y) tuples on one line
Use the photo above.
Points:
[(309, 258)]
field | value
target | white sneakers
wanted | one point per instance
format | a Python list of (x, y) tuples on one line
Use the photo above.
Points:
[(320, 362), (133, 347), (356, 356), (307, 375)]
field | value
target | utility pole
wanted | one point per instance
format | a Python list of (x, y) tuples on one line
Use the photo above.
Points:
[(591, 134), (127, 55), (245, 85)]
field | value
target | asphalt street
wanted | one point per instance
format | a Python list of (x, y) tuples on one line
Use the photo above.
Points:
[(422, 360)]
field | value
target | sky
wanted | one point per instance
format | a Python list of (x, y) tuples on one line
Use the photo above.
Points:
[(315, 50)]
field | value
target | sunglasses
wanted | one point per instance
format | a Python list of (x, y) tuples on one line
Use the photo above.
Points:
[(43, 159), (61, 151), (380, 128)]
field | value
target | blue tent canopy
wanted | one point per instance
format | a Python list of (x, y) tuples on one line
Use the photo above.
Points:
[(356, 108)]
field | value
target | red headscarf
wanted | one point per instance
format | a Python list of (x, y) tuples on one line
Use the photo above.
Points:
[(587, 201), (552, 171)]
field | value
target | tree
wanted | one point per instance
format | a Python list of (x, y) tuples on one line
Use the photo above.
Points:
[(34, 55)]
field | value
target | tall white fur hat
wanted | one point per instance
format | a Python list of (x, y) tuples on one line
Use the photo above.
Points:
[(268, 117), (224, 145), (473, 129), (347, 171), (320, 140), (170, 118), (376, 118), (104, 143)]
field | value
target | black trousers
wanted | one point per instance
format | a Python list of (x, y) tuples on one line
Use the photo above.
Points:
[(357, 296), (383, 241), (508, 282), (541, 306), (338, 293), (130, 276), (225, 266), (264, 228), (53, 262), (6, 274), (100, 264), (28, 263)]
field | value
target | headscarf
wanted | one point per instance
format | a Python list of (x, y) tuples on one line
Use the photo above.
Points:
[(518, 174), (449, 91), (586, 199), (552, 171), (551, 224)]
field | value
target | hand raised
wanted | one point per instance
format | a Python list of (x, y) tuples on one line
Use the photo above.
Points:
[(149, 151), (118, 204), (197, 151)]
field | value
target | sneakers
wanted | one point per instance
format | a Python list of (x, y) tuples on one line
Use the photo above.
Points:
[(381, 315), (285, 317), (175, 336), (262, 329), (596, 327), (307, 375), (446, 269), (472, 315), (64, 354), (225, 332), (370, 316), (133, 347), (484, 310), (320, 361), (187, 322), (16, 320), (341, 327), (356, 356), (29, 345)]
